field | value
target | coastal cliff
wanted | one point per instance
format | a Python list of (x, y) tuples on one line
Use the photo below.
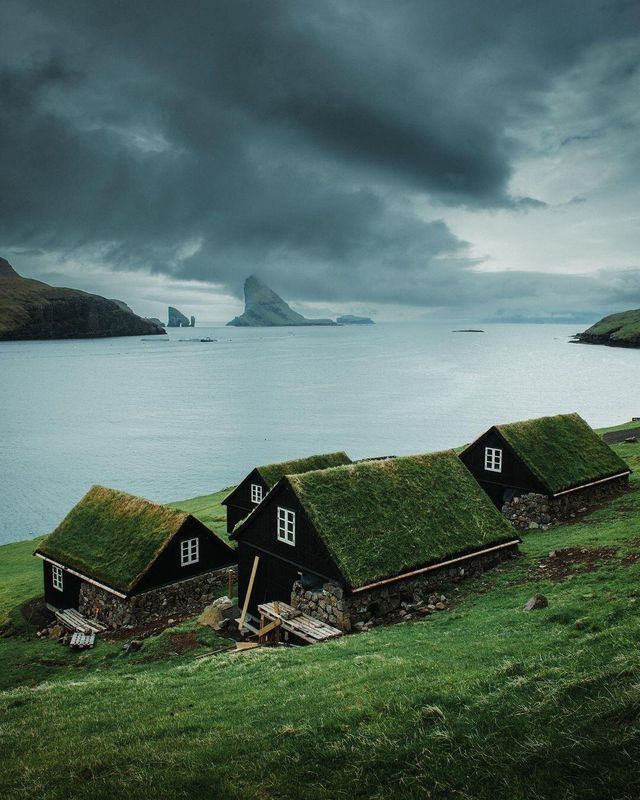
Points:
[(31, 309), (264, 308), (615, 330)]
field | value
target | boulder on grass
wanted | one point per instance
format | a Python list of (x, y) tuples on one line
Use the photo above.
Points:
[(537, 601), (56, 632), (211, 616)]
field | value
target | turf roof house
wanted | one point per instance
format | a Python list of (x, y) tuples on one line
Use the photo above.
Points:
[(250, 491), (125, 560), (351, 543), (543, 470)]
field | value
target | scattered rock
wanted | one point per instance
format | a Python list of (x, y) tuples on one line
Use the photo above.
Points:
[(537, 601), (56, 631), (222, 603), (133, 646), (440, 607)]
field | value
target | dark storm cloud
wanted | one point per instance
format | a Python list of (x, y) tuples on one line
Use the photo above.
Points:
[(213, 139)]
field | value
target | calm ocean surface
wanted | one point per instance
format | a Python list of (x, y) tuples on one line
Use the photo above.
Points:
[(168, 419)]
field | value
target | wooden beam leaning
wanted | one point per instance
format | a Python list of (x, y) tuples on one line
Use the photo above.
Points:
[(268, 628), (247, 596)]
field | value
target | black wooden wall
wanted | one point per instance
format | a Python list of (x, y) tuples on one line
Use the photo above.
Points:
[(214, 554), (239, 502), (280, 563), (515, 475), (68, 597)]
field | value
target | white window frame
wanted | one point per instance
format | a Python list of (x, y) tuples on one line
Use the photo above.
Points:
[(57, 578), (286, 526), (256, 493), (493, 459), (189, 551)]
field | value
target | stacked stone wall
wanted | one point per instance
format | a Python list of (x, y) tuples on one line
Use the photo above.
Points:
[(531, 510), (188, 596), (347, 611)]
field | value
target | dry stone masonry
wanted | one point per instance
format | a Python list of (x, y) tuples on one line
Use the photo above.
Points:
[(336, 606), (530, 511), (190, 595)]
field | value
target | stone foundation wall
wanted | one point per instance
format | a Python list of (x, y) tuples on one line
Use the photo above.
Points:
[(190, 595), (347, 611), (530, 511)]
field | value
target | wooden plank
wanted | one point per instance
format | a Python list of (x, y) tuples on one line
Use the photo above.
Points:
[(241, 646), (247, 596), (268, 628)]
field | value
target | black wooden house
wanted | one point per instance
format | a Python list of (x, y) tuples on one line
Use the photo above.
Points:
[(361, 526), (113, 547), (251, 490), (554, 456)]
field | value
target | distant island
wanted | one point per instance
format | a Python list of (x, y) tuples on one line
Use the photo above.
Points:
[(264, 308), (178, 320), (615, 330), (31, 309), (468, 330), (350, 319)]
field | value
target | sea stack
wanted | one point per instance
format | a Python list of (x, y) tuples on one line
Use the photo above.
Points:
[(264, 308)]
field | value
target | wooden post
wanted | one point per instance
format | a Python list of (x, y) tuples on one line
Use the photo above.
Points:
[(229, 584), (247, 596)]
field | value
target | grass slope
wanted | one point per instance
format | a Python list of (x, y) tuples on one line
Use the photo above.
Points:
[(621, 329), (208, 509), (483, 701)]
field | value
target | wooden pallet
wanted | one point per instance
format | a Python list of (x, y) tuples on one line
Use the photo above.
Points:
[(82, 641), (302, 625), (73, 620)]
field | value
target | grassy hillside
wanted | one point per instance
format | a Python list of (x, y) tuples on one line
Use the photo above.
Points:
[(208, 510), (622, 330), (482, 701)]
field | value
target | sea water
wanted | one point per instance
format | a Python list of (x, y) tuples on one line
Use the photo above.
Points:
[(169, 419)]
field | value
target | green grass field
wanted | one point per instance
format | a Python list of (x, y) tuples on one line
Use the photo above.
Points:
[(481, 701), (208, 510)]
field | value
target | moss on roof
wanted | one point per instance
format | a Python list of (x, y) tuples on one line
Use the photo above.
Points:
[(272, 473), (112, 537), (379, 519), (562, 451)]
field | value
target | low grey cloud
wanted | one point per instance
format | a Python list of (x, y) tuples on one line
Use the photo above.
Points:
[(209, 140)]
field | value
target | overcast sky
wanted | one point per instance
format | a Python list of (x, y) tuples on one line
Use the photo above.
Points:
[(406, 158)]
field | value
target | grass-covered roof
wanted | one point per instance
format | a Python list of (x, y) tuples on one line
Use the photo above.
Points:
[(112, 537), (272, 473), (562, 451), (379, 519)]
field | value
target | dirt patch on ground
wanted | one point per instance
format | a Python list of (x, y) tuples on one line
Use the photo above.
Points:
[(35, 612), (566, 561), (148, 629), (619, 436), (183, 642)]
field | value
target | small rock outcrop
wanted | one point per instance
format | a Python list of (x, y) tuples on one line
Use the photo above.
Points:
[(178, 320), (351, 319), (264, 308), (31, 309)]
